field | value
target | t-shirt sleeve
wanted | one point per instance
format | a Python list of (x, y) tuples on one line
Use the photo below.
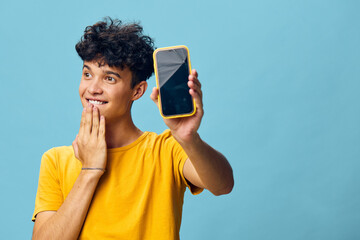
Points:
[(49, 196), (179, 157)]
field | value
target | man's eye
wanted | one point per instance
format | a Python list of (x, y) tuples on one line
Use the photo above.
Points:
[(87, 75), (110, 79)]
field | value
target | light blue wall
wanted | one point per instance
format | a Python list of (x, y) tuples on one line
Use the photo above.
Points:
[(281, 82)]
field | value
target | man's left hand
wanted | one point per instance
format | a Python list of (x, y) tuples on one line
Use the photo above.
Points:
[(184, 129)]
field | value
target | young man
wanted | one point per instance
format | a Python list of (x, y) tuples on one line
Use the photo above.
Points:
[(115, 181)]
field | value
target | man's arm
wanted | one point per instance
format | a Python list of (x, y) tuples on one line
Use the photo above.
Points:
[(206, 167), (90, 148), (66, 223)]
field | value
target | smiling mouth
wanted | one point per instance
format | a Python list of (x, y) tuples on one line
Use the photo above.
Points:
[(96, 102)]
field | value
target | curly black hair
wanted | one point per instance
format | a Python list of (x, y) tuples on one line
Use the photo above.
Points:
[(118, 45)]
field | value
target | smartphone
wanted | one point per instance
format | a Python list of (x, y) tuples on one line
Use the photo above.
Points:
[(172, 68)]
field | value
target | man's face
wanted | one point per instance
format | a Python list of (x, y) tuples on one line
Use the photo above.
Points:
[(107, 88)]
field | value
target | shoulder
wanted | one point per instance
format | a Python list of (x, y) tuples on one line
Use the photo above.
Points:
[(163, 139), (165, 134), (59, 151), (165, 145), (56, 155)]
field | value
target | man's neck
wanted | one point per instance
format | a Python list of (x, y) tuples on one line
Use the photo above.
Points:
[(121, 133)]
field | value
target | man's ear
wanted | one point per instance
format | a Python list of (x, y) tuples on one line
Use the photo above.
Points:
[(139, 90)]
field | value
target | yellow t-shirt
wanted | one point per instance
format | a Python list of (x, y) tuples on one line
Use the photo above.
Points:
[(140, 196)]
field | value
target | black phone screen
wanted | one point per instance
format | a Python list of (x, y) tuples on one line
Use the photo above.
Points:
[(173, 72)]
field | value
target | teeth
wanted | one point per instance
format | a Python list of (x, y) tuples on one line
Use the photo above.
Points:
[(96, 102)]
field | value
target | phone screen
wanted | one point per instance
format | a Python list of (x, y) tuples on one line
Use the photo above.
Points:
[(173, 72)]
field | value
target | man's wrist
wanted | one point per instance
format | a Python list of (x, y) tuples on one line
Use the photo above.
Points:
[(93, 169), (90, 174), (189, 141)]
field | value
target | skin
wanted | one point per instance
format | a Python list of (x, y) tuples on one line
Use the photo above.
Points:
[(110, 125)]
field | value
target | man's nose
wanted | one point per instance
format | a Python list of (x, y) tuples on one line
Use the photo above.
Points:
[(95, 87)]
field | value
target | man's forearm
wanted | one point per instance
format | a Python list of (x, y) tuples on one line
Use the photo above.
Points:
[(66, 223), (212, 167)]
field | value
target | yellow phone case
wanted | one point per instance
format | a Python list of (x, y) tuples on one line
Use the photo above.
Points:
[(157, 81)]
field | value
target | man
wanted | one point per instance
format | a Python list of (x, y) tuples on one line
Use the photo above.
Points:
[(115, 181)]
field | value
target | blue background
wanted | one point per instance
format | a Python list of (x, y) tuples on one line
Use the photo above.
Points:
[(281, 82)]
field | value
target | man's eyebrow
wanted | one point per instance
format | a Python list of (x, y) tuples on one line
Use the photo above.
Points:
[(113, 73), (86, 66), (106, 72)]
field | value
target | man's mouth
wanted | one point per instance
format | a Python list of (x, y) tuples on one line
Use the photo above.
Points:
[(96, 102)]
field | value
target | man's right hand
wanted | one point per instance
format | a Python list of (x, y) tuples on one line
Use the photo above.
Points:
[(90, 145), (90, 148)]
